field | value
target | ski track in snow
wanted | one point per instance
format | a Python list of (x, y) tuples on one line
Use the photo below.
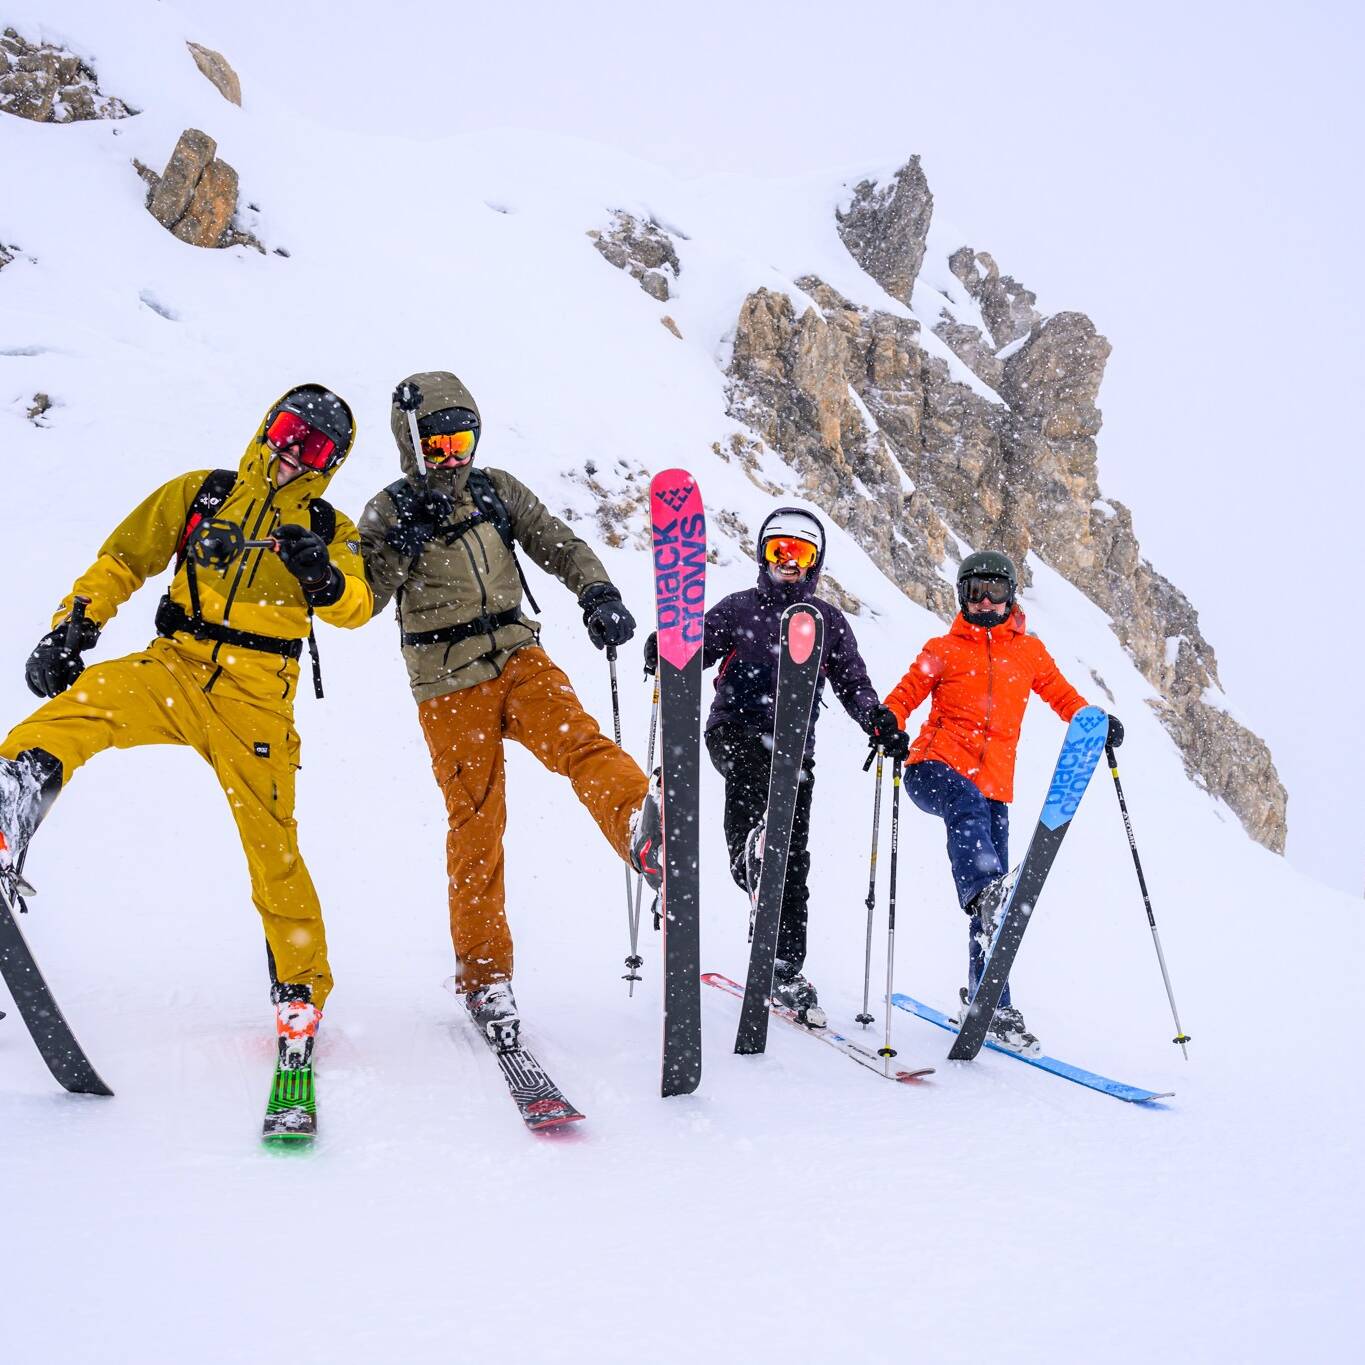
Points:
[(793, 1199)]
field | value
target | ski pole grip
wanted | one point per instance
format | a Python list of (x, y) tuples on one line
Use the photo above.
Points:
[(1109, 754), (72, 639), (871, 754), (407, 397)]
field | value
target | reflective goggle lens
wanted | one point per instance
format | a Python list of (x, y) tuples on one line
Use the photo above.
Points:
[(449, 445), (995, 590), (786, 549), (316, 449)]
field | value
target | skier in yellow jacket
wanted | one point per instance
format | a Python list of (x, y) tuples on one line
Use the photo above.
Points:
[(222, 675)]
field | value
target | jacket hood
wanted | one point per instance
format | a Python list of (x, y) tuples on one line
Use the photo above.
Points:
[(813, 577), (440, 389), (258, 460), (1013, 624)]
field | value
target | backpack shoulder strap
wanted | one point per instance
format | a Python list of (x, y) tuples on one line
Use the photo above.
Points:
[(487, 500), (322, 517), (211, 496)]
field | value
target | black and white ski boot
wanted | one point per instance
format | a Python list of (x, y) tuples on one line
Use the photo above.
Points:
[(494, 1011), (1006, 1029), (753, 868), (647, 836), (797, 994), (985, 907), (296, 1024), (28, 786)]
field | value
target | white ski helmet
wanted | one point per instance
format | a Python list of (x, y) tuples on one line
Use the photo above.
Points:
[(793, 521)]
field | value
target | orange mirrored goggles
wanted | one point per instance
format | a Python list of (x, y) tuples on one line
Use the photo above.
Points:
[(455, 447), (788, 549)]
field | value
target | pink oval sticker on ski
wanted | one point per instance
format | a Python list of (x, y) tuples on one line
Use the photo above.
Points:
[(801, 636)]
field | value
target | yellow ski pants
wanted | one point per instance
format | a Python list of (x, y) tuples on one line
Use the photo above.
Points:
[(158, 697)]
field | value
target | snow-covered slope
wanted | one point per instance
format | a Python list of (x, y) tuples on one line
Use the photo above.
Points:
[(793, 1204)]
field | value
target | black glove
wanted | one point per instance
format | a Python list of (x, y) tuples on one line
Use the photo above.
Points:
[(605, 615), (887, 734), (52, 667), (410, 534), (652, 653), (1115, 735), (304, 554)]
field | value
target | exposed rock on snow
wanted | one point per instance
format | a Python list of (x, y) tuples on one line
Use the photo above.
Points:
[(219, 71), (643, 250), (195, 197), (38, 409), (885, 227), (7, 254), (48, 84), (909, 462)]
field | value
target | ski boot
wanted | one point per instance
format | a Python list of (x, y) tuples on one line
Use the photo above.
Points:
[(753, 868), (1006, 1029), (647, 836), (296, 1024), (494, 1013), (985, 908), (28, 786), (795, 993)]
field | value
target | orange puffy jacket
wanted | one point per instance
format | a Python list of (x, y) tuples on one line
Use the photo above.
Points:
[(981, 679)]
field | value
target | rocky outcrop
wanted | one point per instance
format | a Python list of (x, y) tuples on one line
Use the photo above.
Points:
[(643, 250), (195, 197), (885, 227), (218, 70), (914, 465), (48, 84), (7, 254)]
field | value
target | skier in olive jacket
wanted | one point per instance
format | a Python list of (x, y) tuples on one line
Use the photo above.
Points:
[(440, 541)]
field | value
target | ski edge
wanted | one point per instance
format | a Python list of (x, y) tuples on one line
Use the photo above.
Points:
[(1092, 1080)]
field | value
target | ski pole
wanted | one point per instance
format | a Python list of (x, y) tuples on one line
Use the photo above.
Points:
[(865, 1018), (634, 960), (407, 398), (888, 1051), (1181, 1036)]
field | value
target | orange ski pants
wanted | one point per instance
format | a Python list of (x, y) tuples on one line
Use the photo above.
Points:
[(532, 703)]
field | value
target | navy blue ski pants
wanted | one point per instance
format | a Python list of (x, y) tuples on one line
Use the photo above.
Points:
[(978, 839)]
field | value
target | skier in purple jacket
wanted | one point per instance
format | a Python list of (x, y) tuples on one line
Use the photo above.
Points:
[(743, 636)]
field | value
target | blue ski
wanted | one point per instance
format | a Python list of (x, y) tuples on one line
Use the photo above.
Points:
[(1132, 1093)]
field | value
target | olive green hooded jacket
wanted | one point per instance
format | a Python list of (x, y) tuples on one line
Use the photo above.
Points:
[(476, 575)]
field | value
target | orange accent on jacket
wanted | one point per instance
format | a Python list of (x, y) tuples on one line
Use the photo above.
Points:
[(980, 679)]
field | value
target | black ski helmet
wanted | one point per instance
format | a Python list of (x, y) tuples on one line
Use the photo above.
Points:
[(985, 564), (320, 408)]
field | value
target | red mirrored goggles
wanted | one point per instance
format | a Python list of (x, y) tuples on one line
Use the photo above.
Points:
[(449, 447), (316, 450), (788, 549)]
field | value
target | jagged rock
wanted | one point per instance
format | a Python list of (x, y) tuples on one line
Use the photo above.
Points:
[(971, 347), (38, 409), (671, 325), (219, 71), (885, 227), (849, 399), (7, 254), (1006, 305), (195, 197), (48, 84), (211, 208), (643, 250)]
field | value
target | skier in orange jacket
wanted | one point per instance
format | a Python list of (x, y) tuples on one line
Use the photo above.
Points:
[(961, 765)]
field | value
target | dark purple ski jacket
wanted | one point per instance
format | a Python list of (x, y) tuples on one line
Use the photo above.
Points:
[(742, 635)]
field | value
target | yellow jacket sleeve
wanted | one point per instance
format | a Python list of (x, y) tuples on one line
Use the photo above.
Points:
[(356, 603), (140, 547)]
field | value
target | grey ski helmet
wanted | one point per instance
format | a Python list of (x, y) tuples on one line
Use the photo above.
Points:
[(985, 564), (793, 521)]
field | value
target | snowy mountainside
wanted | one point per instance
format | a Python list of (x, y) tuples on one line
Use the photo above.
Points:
[(793, 1195)]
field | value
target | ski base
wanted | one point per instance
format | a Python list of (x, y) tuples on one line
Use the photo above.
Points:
[(291, 1114), (1131, 1093), (64, 1056), (856, 1052)]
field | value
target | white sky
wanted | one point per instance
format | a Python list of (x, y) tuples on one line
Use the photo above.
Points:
[(1186, 174)]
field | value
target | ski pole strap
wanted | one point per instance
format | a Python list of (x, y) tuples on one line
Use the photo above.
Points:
[(172, 618), (485, 624)]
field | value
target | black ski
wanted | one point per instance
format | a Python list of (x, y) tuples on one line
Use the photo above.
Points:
[(539, 1100), (63, 1054), (798, 671), (679, 538), (1081, 750)]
